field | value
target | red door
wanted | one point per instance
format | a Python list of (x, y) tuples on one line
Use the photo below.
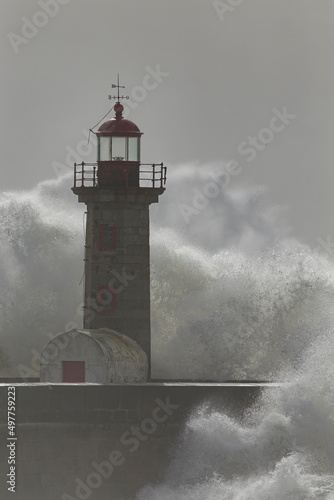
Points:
[(73, 371)]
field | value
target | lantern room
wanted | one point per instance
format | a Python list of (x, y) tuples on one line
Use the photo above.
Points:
[(118, 151), (118, 163)]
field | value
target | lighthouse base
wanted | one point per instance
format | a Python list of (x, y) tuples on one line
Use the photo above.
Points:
[(94, 356)]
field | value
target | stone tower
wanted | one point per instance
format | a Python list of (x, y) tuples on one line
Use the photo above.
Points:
[(118, 191)]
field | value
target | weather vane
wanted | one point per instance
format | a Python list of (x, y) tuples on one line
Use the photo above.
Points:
[(118, 86)]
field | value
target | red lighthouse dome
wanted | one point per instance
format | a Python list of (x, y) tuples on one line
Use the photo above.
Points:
[(119, 125), (118, 151)]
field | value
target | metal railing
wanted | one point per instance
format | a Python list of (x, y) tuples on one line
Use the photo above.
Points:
[(149, 175)]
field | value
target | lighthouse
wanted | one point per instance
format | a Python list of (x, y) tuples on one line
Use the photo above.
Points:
[(118, 190)]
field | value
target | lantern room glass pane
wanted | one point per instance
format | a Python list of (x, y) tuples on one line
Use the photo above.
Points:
[(133, 149), (104, 149), (118, 148)]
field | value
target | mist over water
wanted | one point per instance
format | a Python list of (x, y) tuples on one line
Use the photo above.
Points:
[(261, 311), (234, 296), (41, 248), (281, 449)]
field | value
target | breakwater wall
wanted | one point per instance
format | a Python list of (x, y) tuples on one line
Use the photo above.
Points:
[(101, 442)]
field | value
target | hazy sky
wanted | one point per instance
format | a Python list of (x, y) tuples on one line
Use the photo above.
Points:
[(205, 79)]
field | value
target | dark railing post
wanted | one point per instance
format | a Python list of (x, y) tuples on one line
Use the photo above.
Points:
[(82, 174), (89, 177), (164, 172), (153, 180)]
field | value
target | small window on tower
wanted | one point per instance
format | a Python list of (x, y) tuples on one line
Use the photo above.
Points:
[(107, 237), (106, 300)]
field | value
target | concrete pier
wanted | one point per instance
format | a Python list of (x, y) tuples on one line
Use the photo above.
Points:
[(80, 441)]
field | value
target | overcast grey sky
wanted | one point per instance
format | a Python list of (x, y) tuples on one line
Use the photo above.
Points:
[(203, 77)]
